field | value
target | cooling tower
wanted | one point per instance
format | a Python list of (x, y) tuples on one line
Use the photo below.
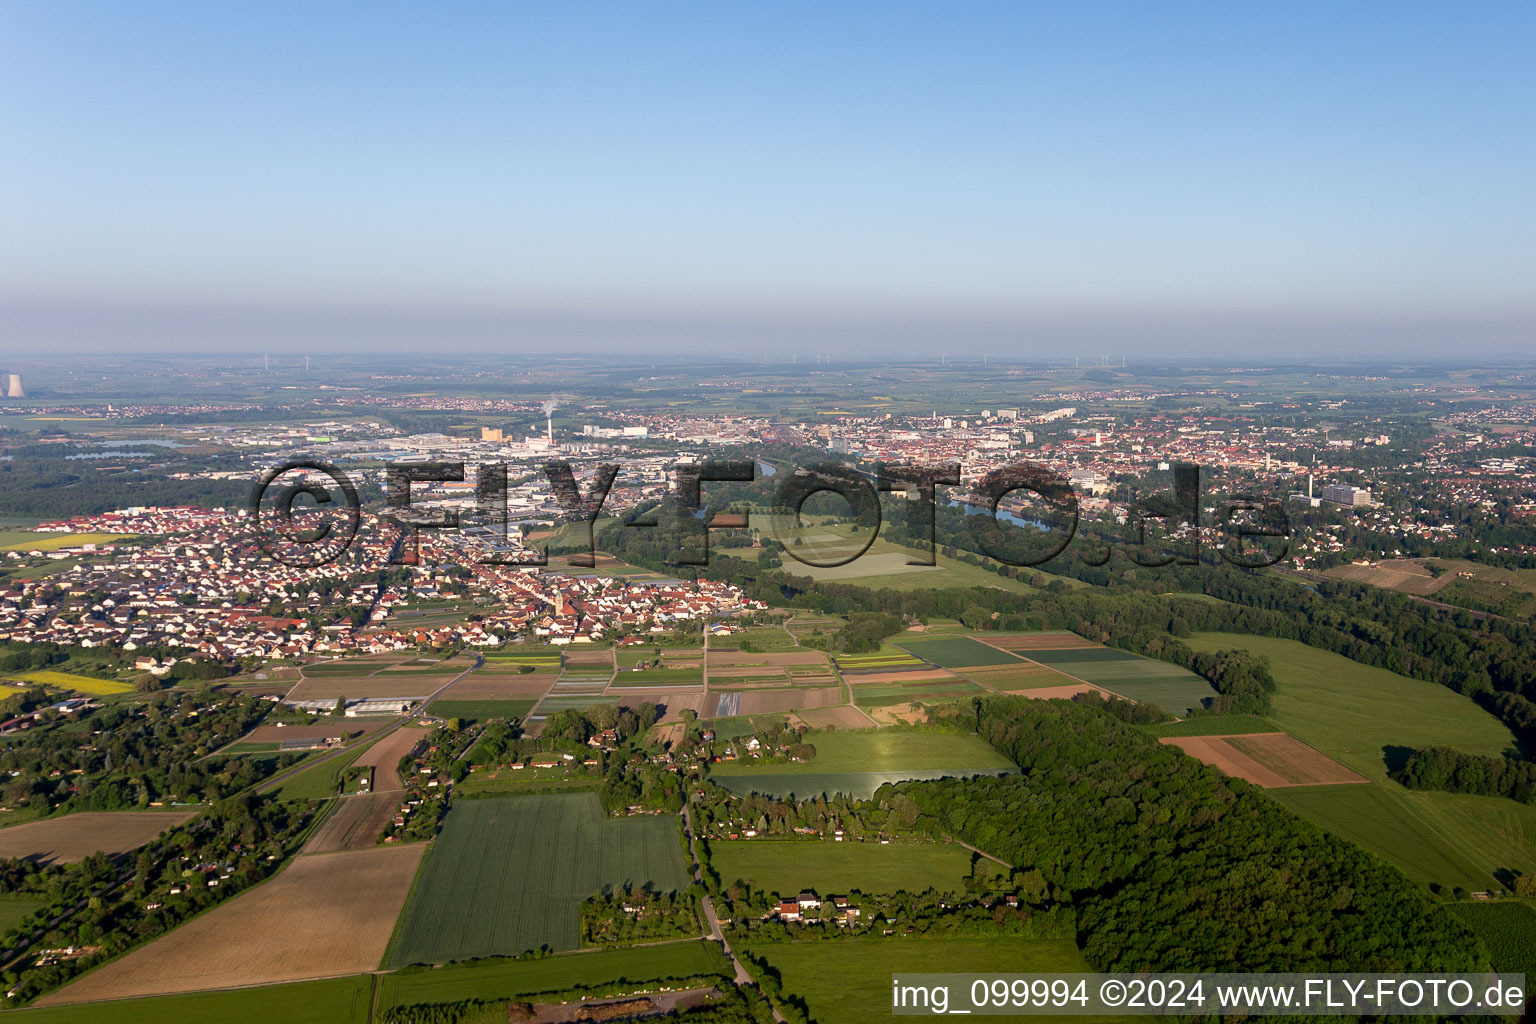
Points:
[(13, 387)]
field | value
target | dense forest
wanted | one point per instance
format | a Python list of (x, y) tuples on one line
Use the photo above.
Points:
[(1443, 768), (1172, 866)]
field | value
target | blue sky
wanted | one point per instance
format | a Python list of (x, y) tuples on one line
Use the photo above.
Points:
[(1007, 177)]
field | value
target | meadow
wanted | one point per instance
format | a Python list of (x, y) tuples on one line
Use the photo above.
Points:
[(507, 979), (824, 866), (508, 874), (333, 1001), (317, 782), (850, 981), (1357, 714), (883, 566), (14, 907), (1354, 712)]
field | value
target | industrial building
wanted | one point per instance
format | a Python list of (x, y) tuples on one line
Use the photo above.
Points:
[(1344, 494)]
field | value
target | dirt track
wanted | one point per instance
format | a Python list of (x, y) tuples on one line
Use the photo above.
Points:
[(355, 823), (384, 757)]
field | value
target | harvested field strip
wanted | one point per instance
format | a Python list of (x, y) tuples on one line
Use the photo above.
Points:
[(320, 916), (1038, 642), (1271, 760), (723, 680), (354, 823), (468, 711), (384, 756), (1293, 760), (842, 716), (1085, 656), (1066, 692), (745, 672), (509, 874), (765, 702), (70, 837), (860, 680), (493, 687), (573, 702), (1215, 751)]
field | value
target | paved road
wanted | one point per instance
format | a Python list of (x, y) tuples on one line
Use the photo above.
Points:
[(743, 977)]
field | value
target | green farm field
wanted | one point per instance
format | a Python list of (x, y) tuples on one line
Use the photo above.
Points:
[(469, 711), (850, 982), (659, 677), (1174, 689), (509, 874), (858, 762), (333, 1001), (1508, 929), (957, 652), (1353, 713), (824, 866), (507, 979)]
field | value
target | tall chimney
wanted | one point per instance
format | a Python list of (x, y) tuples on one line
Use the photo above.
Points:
[(549, 429), (1309, 485)]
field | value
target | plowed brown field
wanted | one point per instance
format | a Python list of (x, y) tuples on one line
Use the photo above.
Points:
[(73, 836), (319, 917)]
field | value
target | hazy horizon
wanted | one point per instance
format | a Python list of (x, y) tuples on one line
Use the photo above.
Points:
[(1016, 180)]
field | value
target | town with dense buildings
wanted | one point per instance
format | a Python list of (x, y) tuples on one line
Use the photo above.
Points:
[(251, 745)]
